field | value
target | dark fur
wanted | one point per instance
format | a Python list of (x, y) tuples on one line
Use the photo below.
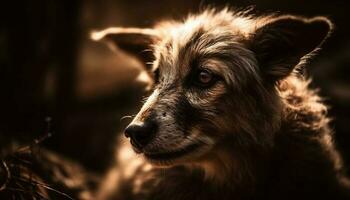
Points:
[(264, 133)]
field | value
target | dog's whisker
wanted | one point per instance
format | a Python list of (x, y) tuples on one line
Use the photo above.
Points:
[(126, 117)]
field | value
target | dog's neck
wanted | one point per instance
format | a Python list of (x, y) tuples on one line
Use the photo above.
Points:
[(230, 167)]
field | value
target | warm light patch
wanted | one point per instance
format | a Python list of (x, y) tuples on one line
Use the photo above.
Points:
[(98, 35), (143, 77)]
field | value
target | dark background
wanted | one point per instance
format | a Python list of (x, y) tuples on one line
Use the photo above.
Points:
[(50, 68)]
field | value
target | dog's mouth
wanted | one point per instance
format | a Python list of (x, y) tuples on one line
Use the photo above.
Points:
[(171, 155)]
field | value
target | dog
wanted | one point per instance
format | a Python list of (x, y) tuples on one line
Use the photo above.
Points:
[(230, 116)]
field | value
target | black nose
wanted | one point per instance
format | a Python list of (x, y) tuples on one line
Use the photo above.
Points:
[(141, 134)]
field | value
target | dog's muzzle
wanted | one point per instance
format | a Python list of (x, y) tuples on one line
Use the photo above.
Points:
[(141, 134)]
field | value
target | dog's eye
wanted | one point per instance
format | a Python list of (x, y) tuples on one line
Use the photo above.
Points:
[(204, 78)]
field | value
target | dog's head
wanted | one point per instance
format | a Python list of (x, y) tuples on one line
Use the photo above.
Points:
[(214, 80)]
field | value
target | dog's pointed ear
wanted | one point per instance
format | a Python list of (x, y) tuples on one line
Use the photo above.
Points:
[(137, 41), (281, 43)]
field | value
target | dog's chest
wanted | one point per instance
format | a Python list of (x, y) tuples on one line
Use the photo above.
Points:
[(173, 184)]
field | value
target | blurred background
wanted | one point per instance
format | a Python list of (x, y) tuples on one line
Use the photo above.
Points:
[(50, 68)]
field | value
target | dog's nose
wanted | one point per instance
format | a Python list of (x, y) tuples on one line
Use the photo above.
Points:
[(141, 134)]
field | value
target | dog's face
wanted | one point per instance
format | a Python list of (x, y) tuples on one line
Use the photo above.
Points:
[(214, 81)]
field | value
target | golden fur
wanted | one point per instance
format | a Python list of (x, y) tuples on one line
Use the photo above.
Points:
[(257, 131)]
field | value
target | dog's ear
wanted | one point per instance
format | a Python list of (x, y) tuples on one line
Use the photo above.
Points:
[(137, 41), (281, 43)]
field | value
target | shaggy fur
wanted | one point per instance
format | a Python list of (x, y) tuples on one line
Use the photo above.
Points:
[(231, 117)]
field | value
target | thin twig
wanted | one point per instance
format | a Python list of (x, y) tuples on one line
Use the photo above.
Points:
[(45, 186), (25, 192)]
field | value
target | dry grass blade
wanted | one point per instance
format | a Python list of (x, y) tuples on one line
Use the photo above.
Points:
[(7, 175)]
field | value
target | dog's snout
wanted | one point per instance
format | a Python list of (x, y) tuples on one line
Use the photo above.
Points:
[(141, 134)]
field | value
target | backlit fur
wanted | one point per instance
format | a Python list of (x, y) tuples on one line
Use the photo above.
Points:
[(255, 134)]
